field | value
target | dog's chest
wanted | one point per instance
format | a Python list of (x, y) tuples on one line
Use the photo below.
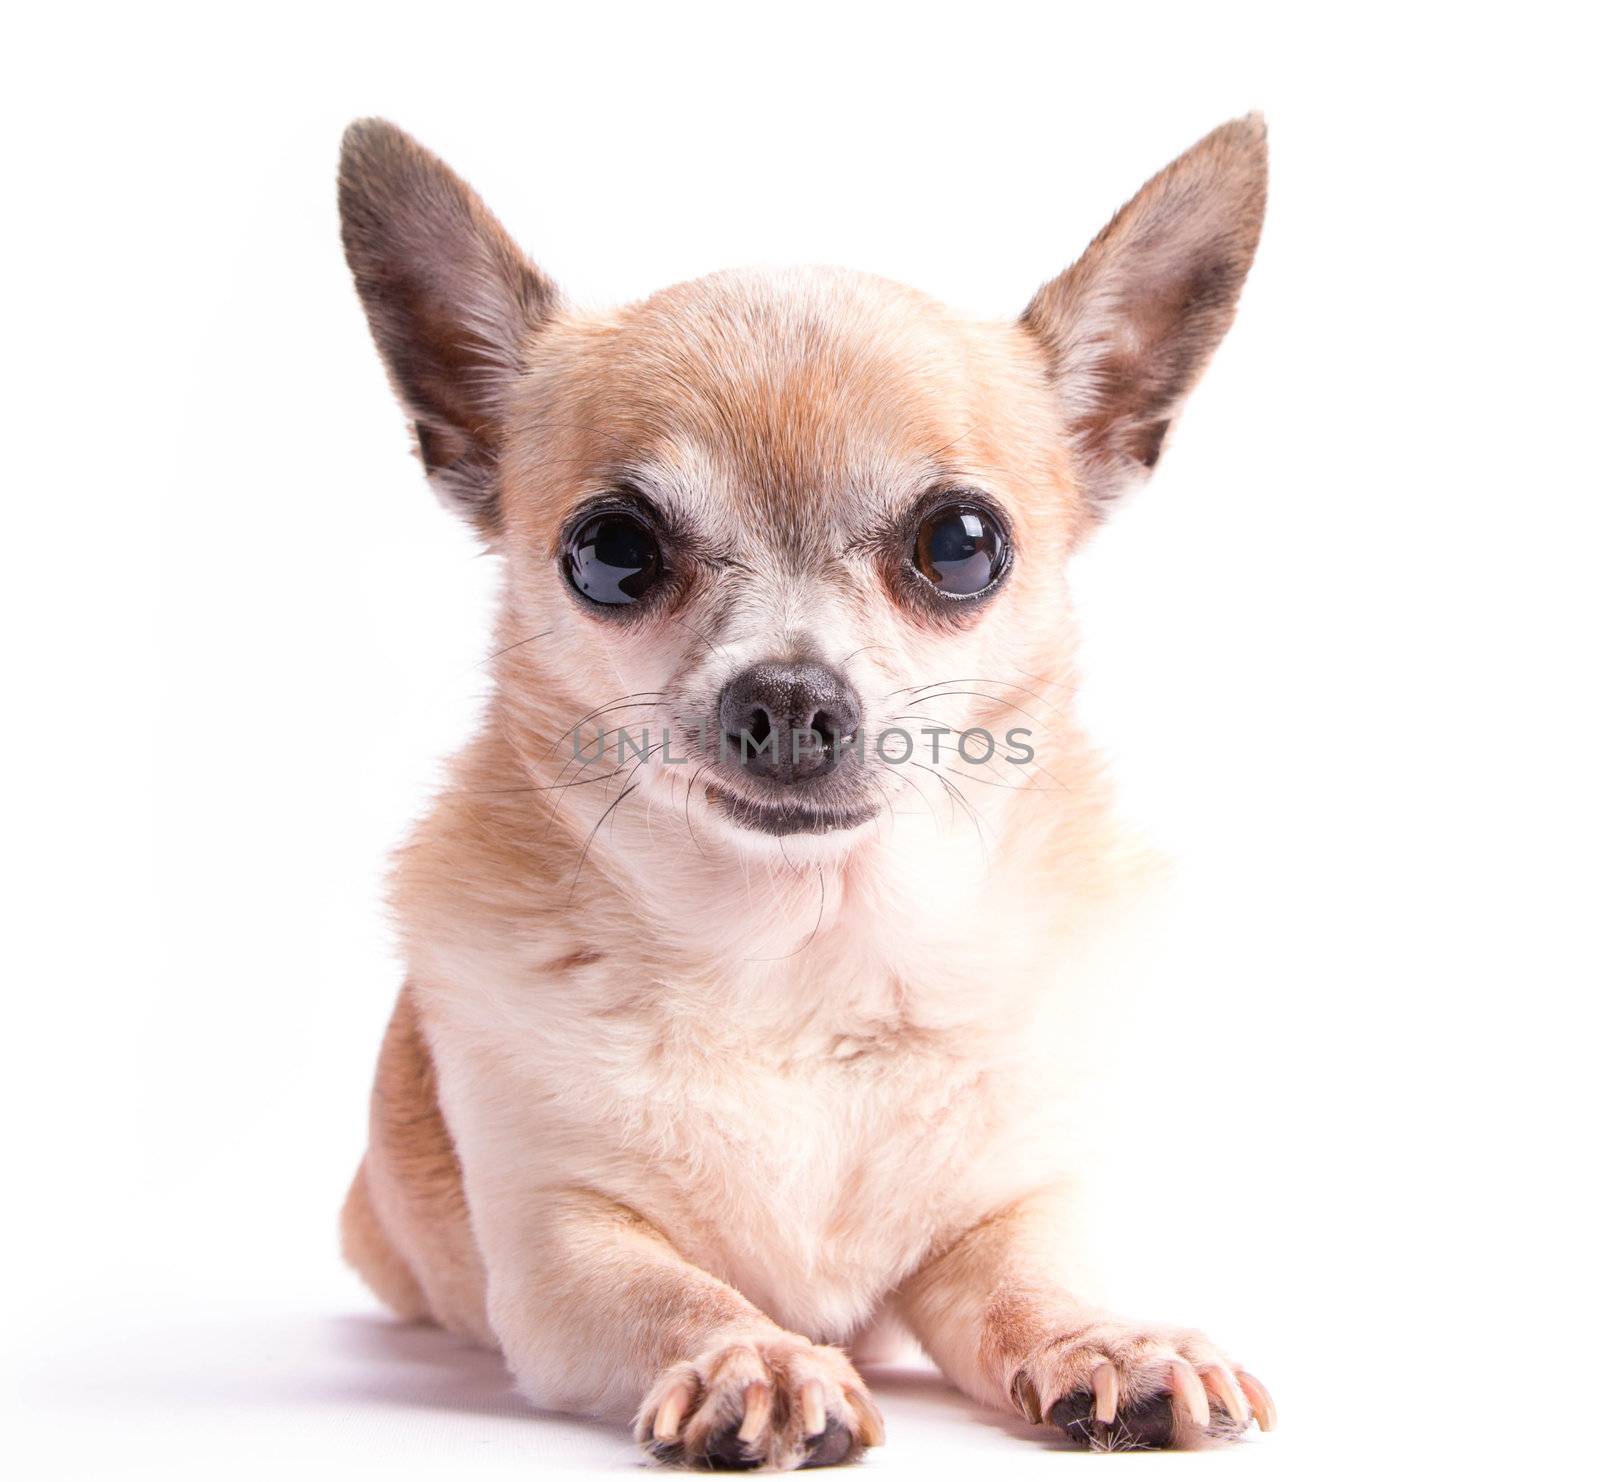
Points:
[(811, 1171), (805, 1129)]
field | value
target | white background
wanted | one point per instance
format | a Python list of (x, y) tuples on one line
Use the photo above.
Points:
[(1341, 652)]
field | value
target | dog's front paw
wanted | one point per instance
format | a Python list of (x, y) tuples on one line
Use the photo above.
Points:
[(778, 1402), (1118, 1386)]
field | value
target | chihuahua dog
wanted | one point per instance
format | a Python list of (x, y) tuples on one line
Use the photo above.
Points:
[(730, 938)]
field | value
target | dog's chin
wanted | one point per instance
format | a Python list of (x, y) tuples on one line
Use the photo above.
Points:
[(785, 818)]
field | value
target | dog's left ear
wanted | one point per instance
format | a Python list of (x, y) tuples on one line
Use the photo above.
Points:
[(451, 302), (1129, 327)]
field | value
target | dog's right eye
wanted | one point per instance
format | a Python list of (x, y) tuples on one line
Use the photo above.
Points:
[(613, 558)]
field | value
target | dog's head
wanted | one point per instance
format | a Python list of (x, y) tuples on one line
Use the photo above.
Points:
[(782, 539)]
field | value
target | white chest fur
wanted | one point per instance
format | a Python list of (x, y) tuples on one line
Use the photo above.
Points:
[(803, 1123)]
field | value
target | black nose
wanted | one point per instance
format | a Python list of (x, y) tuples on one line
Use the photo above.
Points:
[(788, 722)]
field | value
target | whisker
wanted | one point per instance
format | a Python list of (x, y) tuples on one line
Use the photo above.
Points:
[(912, 783), (822, 900), (688, 797), (958, 796), (501, 652), (1009, 786), (619, 731), (978, 695), (545, 786), (973, 679), (610, 809), (888, 804), (953, 441), (583, 763), (632, 701), (715, 648)]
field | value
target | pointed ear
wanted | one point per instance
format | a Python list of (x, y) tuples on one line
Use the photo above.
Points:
[(1129, 327), (450, 300)]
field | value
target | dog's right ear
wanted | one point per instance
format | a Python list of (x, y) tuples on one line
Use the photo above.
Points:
[(451, 302)]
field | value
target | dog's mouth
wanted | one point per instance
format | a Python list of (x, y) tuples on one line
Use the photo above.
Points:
[(788, 817)]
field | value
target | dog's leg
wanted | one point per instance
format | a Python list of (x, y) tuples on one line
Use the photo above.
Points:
[(995, 1312), (405, 1221), (597, 1313)]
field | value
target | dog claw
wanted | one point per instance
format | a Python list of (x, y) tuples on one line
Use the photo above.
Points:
[(813, 1413), (1260, 1400), (869, 1418), (1104, 1383), (669, 1418), (757, 1409), (1026, 1394), (1225, 1389), (1188, 1394)]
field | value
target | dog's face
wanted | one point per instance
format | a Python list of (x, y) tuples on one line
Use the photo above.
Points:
[(773, 507), (791, 536)]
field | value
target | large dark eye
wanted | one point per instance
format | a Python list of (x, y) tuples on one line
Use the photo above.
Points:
[(613, 559), (961, 550)]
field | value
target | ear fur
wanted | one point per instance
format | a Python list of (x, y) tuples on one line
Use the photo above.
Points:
[(1130, 326), (450, 300)]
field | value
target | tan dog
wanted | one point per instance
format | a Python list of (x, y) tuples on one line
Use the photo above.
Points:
[(730, 938)]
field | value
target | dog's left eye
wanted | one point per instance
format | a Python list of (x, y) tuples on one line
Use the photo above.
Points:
[(961, 550)]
